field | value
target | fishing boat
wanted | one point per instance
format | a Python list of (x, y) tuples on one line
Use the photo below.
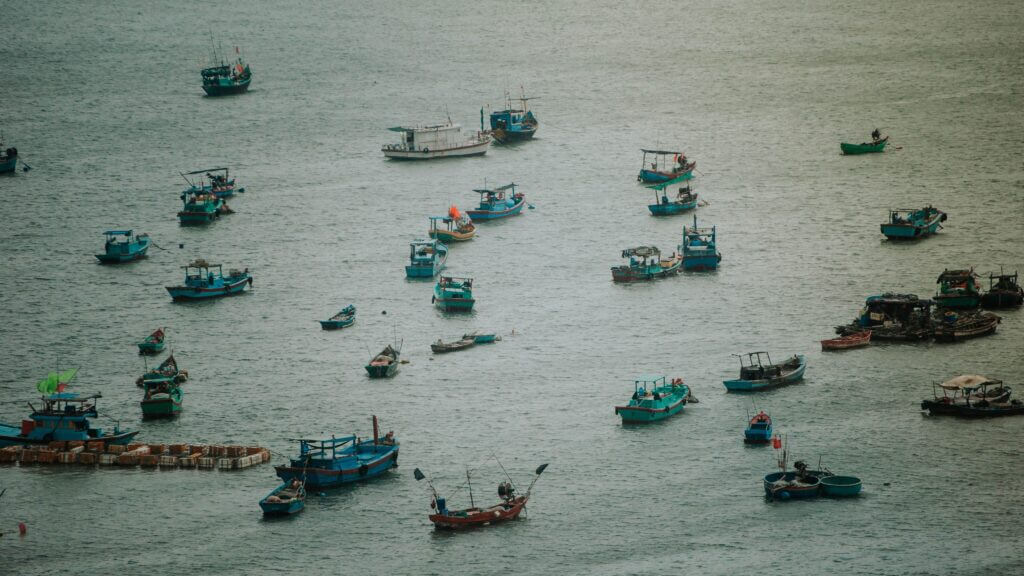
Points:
[(513, 124), (893, 316), (645, 263), (441, 347), (973, 396), (167, 370), (288, 498), (201, 209), (202, 282), (63, 416), (482, 338), (452, 294), (218, 182), (123, 246), (8, 158), (1003, 291), (346, 317), (653, 399), (958, 289), (913, 223), (426, 258), (785, 485), (685, 199), (384, 364), (759, 429), (757, 373), (335, 461), (152, 344), (852, 340), (509, 507), (955, 326), (699, 248), (224, 78), (456, 227), (877, 144), (660, 169), (499, 202), (162, 398), (437, 141)]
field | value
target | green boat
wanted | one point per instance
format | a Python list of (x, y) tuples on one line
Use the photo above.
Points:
[(224, 78), (654, 400), (958, 289), (876, 145), (162, 398)]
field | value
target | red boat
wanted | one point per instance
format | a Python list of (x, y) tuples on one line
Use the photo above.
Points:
[(854, 340), (508, 509)]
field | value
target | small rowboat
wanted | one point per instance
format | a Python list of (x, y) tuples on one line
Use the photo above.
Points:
[(385, 364), (288, 498), (152, 344), (346, 317), (864, 147), (482, 338), (855, 340), (440, 347)]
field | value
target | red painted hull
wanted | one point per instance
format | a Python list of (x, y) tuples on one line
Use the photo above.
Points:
[(475, 517), (851, 341)]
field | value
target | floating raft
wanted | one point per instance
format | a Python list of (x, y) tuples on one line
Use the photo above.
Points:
[(93, 452)]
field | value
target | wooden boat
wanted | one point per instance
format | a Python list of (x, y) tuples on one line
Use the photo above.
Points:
[(426, 258), (876, 145), (909, 224), (201, 282), (893, 316), (1003, 291), (661, 169), (168, 369), (288, 498), (482, 338), (645, 263), (973, 396), (758, 374), (698, 249), (958, 289), (759, 429), (437, 141), (224, 78), (654, 400), (956, 326), (63, 416), (452, 294), (440, 347), (162, 397), (218, 183), (840, 486), (123, 246), (346, 317), (8, 158), (384, 364), (513, 124), (456, 227), (509, 507), (201, 209), (341, 460), (854, 340), (152, 344), (500, 202)]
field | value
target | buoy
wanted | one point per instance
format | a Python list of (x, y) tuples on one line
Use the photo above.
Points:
[(22, 529), (383, 311), (776, 442), (181, 245)]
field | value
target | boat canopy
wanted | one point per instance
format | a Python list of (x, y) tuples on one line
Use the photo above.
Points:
[(205, 171), (660, 152), (642, 251), (966, 382), (118, 233), (511, 186), (72, 397), (662, 185), (649, 378), (955, 275)]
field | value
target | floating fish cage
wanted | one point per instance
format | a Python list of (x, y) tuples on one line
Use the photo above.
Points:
[(166, 456)]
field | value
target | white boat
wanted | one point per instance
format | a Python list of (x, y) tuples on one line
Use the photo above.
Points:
[(440, 141)]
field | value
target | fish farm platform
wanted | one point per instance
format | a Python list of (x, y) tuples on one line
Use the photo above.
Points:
[(93, 453)]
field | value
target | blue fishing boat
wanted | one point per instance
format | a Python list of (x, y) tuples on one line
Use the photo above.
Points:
[(453, 294), (201, 282), (661, 169), (760, 374), (343, 319), (645, 263), (759, 429), (123, 246), (336, 461), (63, 416), (288, 498), (513, 124), (201, 209), (218, 182), (499, 202), (654, 400), (426, 258), (698, 248), (685, 199), (906, 224)]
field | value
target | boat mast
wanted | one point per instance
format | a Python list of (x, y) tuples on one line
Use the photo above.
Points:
[(471, 503)]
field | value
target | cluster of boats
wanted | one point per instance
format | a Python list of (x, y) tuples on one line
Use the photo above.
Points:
[(697, 252), (204, 200)]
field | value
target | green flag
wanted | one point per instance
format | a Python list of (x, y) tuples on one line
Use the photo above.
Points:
[(49, 384)]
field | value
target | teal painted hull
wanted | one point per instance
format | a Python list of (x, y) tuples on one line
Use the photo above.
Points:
[(665, 402), (864, 148), (958, 301), (754, 385), (840, 486), (8, 165)]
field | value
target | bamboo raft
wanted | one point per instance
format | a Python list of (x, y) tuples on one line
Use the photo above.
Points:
[(165, 456)]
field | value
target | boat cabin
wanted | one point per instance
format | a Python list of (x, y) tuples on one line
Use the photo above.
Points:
[(660, 161), (643, 256), (201, 273), (63, 416), (496, 195), (903, 309), (427, 138), (972, 388), (753, 367)]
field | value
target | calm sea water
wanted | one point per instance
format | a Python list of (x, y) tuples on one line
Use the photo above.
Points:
[(103, 100)]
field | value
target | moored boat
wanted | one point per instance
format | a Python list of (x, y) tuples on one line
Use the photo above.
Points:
[(452, 294), (840, 486), (224, 78), (152, 344), (201, 209), (958, 289), (513, 124), (340, 460), (759, 429), (684, 200), (699, 248), (500, 202), (8, 158), (441, 347), (877, 144), (437, 141), (482, 338), (893, 316), (653, 399), (954, 326), (1003, 291), (509, 507), (645, 263), (906, 224), (426, 258), (346, 317), (123, 246), (218, 183), (790, 485), (852, 340), (162, 398), (384, 364), (757, 373), (288, 498), (973, 396), (456, 227), (661, 169), (202, 282), (168, 369)]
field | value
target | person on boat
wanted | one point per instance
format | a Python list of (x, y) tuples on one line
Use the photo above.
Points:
[(876, 135)]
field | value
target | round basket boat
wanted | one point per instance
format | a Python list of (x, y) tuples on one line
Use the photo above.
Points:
[(840, 486), (784, 486)]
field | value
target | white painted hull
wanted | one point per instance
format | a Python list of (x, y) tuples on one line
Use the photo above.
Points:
[(476, 149)]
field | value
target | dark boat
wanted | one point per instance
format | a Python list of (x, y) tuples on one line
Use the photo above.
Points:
[(954, 326), (440, 347), (892, 316), (513, 124), (973, 396), (224, 78), (509, 508), (168, 369), (1003, 291), (329, 463), (958, 289), (385, 364)]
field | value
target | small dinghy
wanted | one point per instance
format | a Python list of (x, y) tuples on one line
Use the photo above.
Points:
[(440, 347), (288, 498), (854, 340), (346, 317)]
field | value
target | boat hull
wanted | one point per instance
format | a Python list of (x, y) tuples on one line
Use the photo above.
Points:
[(992, 410), (227, 89), (477, 149), (272, 506), (1002, 299), (701, 263), (864, 148), (362, 469), (519, 134), (197, 218), (180, 293), (757, 436), (449, 236), (8, 165), (419, 271), (855, 340), (627, 274), (754, 385), (455, 304), (463, 519), (641, 415), (336, 324), (808, 490), (149, 348), (514, 210), (840, 486), (962, 301), (671, 208), (656, 177), (164, 407), (966, 330), (911, 231)]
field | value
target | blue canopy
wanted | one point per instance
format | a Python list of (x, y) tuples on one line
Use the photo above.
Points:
[(118, 232)]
